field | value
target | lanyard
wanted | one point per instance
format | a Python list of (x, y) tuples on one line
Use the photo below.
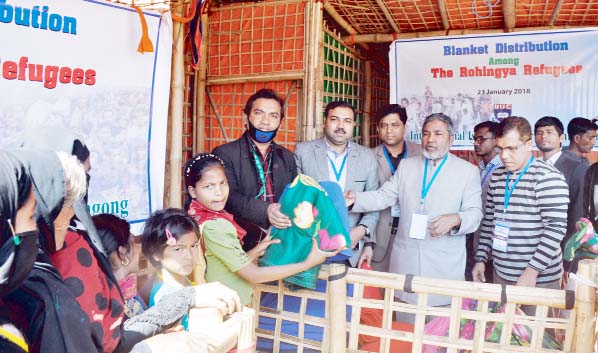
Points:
[(338, 173), (509, 190), (426, 188), (392, 168), (488, 170), (260, 171)]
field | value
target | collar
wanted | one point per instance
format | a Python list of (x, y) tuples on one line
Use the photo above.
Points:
[(253, 146), (329, 149), (496, 162), (552, 160)]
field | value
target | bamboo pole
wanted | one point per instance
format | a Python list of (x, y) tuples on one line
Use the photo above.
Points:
[(385, 37), (177, 101), (336, 303), (199, 137), (367, 105), (388, 16), (585, 305), (269, 77), (342, 22), (508, 11), (443, 13), (555, 12), (313, 83)]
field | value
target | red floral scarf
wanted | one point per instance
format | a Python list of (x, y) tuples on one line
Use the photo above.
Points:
[(202, 214)]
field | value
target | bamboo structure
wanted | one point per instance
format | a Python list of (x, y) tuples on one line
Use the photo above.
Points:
[(175, 114), (578, 327)]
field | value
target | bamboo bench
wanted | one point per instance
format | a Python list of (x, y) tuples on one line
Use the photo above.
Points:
[(341, 333)]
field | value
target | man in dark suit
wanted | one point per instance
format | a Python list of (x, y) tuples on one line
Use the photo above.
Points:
[(258, 169), (548, 133)]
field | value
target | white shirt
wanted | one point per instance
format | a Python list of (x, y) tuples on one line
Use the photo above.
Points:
[(552, 160), (337, 159)]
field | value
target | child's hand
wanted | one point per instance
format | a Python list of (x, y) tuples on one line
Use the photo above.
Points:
[(260, 249), (317, 256), (219, 296)]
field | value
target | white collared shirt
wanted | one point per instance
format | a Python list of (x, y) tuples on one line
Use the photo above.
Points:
[(552, 160), (337, 159)]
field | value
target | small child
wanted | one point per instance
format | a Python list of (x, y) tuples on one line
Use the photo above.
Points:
[(207, 192), (170, 242)]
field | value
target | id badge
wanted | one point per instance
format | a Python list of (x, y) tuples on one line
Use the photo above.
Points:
[(500, 237), (419, 225), (395, 211)]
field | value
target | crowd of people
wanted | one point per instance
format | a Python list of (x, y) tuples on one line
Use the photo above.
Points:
[(68, 281)]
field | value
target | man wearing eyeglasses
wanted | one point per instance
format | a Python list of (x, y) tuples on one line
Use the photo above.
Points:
[(525, 216), (484, 145), (548, 132), (440, 198)]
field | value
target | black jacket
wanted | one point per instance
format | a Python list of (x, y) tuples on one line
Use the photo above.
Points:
[(241, 173)]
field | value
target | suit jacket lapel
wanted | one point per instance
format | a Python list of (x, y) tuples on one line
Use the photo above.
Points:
[(351, 167), (385, 169), (321, 158)]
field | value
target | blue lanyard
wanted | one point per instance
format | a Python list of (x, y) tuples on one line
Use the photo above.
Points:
[(338, 173), (426, 188), (509, 190), (488, 172), (392, 168)]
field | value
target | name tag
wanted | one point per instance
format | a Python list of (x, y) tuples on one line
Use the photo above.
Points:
[(395, 211), (500, 237), (419, 225)]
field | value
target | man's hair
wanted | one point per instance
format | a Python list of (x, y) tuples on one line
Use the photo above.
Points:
[(515, 123), (579, 126), (490, 125), (338, 104), (549, 121), (392, 109), (442, 117), (264, 93)]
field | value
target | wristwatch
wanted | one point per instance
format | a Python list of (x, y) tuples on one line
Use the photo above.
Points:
[(370, 244), (367, 230)]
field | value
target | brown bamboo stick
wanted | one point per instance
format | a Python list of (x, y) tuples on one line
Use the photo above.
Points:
[(367, 105), (199, 130), (508, 11), (585, 305), (386, 37), (388, 16), (177, 101), (443, 13), (555, 12), (336, 303), (341, 21), (269, 77)]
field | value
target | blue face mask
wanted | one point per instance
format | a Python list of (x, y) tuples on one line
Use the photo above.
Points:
[(259, 135)]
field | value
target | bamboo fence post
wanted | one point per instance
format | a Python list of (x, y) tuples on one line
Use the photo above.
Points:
[(177, 100), (367, 105), (585, 305), (313, 83), (199, 131), (337, 303)]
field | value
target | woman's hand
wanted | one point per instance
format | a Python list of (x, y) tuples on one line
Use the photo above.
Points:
[(317, 256), (260, 249)]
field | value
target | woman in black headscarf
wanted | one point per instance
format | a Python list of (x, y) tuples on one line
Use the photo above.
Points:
[(18, 241)]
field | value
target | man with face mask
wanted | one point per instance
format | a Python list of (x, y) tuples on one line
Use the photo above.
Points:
[(440, 198), (258, 169)]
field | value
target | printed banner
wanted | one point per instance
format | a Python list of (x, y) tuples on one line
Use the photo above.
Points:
[(75, 64), (489, 77)]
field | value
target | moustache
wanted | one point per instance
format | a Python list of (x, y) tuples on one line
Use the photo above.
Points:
[(340, 130)]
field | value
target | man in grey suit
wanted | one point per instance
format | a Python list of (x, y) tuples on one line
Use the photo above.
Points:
[(334, 157), (440, 197), (548, 133), (390, 123)]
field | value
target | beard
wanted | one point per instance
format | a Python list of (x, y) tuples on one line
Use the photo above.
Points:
[(437, 154), (545, 149)]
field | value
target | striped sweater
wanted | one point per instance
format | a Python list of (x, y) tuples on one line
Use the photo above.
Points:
[(537, 215)]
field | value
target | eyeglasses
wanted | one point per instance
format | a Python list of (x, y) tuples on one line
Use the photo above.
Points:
[(480, 139), (510, 149)]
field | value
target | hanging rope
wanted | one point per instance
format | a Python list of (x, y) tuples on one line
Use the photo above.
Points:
[(187, 18), (145, 43), (487, 3)]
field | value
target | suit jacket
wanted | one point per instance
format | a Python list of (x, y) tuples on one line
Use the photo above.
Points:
[(456, 190), (381, 257), (362, 175), (574, 170), (243, 182)]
